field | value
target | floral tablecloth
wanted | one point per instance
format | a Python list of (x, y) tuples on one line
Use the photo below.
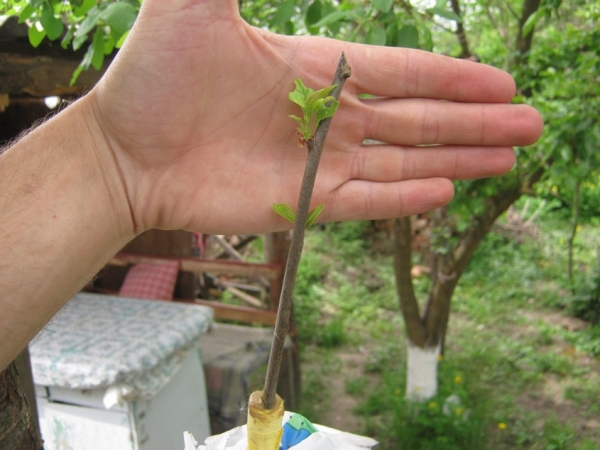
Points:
[(132, 347)]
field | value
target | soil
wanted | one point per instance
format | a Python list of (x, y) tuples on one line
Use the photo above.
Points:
[(549, 401), (339, 411)]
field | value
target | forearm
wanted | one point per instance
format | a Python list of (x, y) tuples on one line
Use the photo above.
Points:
[(63, 214)]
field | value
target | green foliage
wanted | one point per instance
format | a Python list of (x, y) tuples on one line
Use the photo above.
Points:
[(102, 25), (316, 106), (453, 419), (586, 299), (331, 334), (312, 216), (500, 343), (286, 211)]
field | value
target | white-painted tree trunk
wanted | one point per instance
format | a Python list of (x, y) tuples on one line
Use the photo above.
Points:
[(421, 378)]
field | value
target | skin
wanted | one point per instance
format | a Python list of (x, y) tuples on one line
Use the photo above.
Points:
[(189, 129)]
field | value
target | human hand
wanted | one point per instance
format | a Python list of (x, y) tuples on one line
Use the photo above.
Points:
[(195, 111)]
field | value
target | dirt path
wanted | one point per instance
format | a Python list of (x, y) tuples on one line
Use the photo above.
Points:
[(338, 411)]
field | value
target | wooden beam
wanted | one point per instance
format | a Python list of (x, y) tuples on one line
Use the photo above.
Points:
[(190, 264), (43, 73), (238, 313), (244, 297)]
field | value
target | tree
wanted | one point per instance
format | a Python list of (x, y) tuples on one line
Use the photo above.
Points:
[(559, 80)]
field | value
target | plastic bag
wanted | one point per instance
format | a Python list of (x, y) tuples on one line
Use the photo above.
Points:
[(298, 434)]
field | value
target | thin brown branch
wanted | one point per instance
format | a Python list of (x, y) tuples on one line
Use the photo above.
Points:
[(315, 149), (460, 31)]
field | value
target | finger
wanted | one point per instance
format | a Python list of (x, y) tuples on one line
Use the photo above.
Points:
[(386, 163), (360, 200), (400, 72), (421, 121), (397, 72)]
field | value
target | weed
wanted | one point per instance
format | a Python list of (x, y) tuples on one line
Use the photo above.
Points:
[(331, 334), (503, 359), (356, 386)]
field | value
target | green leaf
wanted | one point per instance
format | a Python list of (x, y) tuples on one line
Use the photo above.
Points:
[(315, 107), (391, 33), (53, 26), (382, 5), (446, 14), (26, 13), (285, 211), (85, 27), (83, 7), (407, 36), (84, 64), (313, 215), (98, 49), (326, 111), (66, 40), (76, 74), (109, 44), (36, 36), (376, 36), (284, 12), (120, 17), (301, 93), (313, 13), (427, 41), (531, 21), (121, 40), (329, 19)]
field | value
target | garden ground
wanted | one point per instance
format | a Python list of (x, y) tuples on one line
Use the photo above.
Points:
[(521, 372)]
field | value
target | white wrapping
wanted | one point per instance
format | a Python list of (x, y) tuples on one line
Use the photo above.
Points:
[(325, 439)]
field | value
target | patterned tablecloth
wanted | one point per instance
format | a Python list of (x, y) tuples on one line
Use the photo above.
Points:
[(130, 346)]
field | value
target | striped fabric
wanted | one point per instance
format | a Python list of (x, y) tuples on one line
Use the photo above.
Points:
[(151, 281)]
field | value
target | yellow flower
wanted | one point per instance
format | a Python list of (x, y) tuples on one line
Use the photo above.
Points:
[(458, 411), (458, 379), (432, 405), (397, 391), (502, 426), (440, 357)]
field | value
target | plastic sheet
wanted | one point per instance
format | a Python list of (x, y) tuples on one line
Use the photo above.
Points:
[(298, 434)]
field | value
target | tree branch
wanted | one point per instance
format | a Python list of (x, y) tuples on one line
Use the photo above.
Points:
[(402, 265), (315, 149), (460, 31)]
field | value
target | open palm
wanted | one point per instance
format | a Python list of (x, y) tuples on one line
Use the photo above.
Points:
[(197, 118)]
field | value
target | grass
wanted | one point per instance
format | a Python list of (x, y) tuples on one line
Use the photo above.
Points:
[(515, 375)]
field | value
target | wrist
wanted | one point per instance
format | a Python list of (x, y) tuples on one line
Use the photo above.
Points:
[(63, 215), (99, 161)]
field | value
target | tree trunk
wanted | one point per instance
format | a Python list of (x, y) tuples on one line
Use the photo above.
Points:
[(17, 429), (573, 229), (421, 372), (415, 329)]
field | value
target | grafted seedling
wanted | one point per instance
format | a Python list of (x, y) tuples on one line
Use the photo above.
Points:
[(318, 108)]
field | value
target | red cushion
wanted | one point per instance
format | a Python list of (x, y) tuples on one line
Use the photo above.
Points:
[(152, 281)]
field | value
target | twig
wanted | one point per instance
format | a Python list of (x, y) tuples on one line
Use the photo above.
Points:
[(315, 149)]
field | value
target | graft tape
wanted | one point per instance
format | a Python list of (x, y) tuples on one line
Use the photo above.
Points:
[(264, 425)]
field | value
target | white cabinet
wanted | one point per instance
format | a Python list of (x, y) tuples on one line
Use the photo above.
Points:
[(142, 395)]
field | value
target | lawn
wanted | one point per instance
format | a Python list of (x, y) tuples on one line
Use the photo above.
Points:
[(519, 371)]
